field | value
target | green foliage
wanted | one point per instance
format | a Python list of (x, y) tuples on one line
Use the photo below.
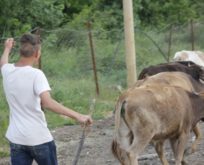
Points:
[(104, 15), (107, 15), (24, 15), (159, 13), (198, 6), (45, 13)]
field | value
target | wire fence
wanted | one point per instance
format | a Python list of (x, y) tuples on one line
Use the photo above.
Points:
[(108, 46), (72, 53), (100, 55), (67, 59)]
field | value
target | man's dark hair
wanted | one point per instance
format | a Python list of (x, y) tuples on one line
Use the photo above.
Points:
[(30, 43)]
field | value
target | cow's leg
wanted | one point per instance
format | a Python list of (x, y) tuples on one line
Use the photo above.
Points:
[(133, 158), (174, 143), (181, 143), (198, 135), (140, 141), (160, 151)]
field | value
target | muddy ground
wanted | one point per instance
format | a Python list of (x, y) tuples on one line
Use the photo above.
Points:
[(96, 148)]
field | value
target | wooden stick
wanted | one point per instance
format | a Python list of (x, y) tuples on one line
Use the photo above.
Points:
[(81, 143), (83, 135)]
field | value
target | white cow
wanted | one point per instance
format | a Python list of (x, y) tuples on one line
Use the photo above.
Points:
[(195, 56)]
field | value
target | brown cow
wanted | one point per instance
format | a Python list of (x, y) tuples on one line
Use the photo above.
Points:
[(188, 67), (195, 71), (178, 79), (154, 113)]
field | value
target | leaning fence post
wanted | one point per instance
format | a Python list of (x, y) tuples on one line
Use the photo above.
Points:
[(169, 43), (93, 56), (192, 35), (38, 32)]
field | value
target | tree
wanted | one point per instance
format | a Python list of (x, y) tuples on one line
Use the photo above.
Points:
[(24, 15), (163, 12)]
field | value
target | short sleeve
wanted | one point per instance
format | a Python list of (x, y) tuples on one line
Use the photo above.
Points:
[(5, 69), (41, 83)]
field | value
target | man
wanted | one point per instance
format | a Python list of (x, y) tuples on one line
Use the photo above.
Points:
[(26, 89)]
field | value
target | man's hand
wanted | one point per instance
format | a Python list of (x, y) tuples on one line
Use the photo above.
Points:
[(9, 43), (85, 119)]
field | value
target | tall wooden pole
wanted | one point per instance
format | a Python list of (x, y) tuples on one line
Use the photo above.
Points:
[(129, 42)]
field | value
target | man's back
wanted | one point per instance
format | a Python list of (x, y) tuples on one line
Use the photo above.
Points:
[(22, 86)]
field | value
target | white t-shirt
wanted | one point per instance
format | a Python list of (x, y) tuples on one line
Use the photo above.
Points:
[(22, 87)]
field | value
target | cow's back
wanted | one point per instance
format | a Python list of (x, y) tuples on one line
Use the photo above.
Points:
[(178, 79), (187, 67)]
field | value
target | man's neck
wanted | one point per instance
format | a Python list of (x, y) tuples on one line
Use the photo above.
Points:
[(24, 62)]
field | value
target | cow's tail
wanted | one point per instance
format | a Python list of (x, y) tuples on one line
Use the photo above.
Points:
[(119, 113), (117, 151)]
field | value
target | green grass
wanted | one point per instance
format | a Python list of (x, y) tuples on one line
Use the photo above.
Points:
[(4, 151)]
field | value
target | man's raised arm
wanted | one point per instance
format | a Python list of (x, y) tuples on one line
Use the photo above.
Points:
[(7, 49)]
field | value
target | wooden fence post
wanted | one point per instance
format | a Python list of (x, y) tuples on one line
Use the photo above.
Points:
[(192, 35), (38, 32), (169, 43), (93, 56)]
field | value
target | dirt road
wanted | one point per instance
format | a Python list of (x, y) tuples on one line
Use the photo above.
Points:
[(96, 150)]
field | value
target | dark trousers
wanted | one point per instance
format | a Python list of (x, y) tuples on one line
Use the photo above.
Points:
[(43, 154)]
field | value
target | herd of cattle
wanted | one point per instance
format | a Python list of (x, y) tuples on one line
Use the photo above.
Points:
[(166, 103)]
